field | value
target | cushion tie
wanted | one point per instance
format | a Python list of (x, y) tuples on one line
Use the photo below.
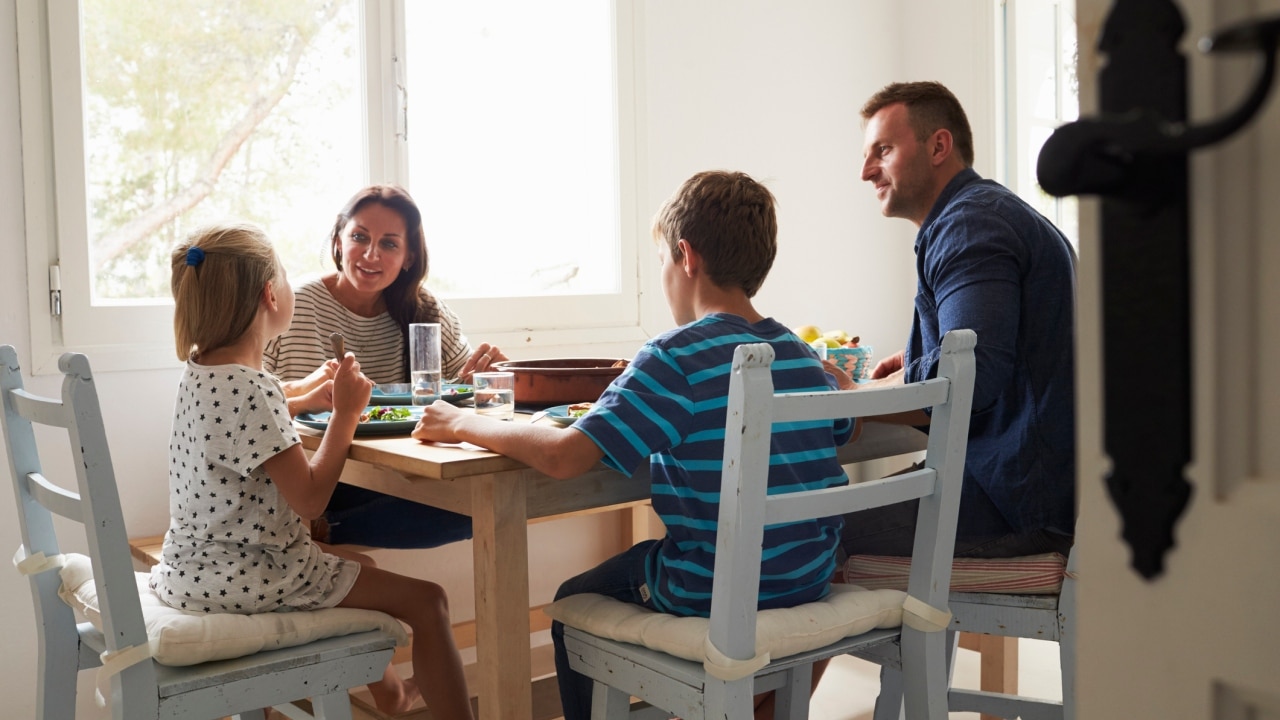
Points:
[(114, 663), (919, 615), (37, 563), (723, 667)]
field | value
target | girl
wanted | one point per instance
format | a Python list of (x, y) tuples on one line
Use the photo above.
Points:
[(241, 486)]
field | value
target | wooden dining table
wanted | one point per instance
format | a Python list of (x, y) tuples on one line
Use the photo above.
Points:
[(502, 495)]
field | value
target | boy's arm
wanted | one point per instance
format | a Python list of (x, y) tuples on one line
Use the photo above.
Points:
[(561, 453)]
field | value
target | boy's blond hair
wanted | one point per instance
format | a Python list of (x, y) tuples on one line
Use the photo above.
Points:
[(218, 275), (729, 219)]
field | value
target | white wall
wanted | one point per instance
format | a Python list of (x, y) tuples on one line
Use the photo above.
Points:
[(766, 87)]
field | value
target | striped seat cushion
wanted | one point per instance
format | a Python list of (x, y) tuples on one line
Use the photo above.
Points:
[(1028, 575)]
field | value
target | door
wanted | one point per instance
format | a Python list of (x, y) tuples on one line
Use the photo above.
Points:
[(1202, 639)]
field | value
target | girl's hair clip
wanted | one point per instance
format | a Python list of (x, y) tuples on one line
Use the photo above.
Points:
[(195, 256)]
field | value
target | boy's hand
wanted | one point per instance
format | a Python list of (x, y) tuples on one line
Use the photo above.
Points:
[(351, 389), (438, 423), (843, 381)]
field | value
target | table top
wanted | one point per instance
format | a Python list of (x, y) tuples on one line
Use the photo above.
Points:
[(406, 455)]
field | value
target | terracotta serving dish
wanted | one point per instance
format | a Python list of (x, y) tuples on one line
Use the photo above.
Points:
[(560, 381)]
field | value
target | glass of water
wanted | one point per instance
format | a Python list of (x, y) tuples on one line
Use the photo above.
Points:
[(495, 394), (424, 362)]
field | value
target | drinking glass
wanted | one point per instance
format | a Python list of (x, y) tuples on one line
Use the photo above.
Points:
[(424, 362), (495, 394)]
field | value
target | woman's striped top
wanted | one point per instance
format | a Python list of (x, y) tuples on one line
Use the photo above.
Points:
[(377, 342), (668, 407)]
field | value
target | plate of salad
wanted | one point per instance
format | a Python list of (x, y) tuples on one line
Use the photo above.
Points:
[(375, 420), (401, 393), (566, 415)]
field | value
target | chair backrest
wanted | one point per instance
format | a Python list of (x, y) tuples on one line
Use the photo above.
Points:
[(94, 503), (746, 507)]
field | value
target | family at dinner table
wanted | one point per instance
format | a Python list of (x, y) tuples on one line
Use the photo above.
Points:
[(258, 526)]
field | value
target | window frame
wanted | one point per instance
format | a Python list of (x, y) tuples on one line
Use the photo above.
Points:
[(139, 336)]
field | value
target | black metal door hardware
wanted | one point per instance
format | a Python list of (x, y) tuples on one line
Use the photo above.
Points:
[(1134, 155)]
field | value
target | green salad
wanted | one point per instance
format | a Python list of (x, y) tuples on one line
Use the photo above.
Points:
[(384, 413)]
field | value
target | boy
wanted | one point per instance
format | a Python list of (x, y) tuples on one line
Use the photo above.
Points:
[(717, 238)]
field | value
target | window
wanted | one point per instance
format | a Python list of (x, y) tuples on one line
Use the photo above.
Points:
[(1040, 92), (506, 120)]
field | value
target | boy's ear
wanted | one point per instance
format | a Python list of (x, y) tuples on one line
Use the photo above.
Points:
[(690, 260)]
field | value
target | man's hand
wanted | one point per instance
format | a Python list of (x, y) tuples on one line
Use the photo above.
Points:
[(888, 366)]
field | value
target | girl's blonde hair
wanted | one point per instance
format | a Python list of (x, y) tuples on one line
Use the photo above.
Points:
[(218, 275)]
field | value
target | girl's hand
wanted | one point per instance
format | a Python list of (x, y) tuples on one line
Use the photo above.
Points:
[(319, 399), (351, 389), (437, 423), (481, 360)]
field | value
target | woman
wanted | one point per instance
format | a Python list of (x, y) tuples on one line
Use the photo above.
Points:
[(380, 253)]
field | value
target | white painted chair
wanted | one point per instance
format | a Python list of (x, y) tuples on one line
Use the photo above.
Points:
[(735, 668), (142, 689), (1039, 616)]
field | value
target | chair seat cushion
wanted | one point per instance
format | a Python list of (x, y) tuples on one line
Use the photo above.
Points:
[(180, 637), (846, 611), (1028, 575)]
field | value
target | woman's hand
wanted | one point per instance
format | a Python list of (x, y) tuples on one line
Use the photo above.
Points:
[(437, 423), (481, 360)]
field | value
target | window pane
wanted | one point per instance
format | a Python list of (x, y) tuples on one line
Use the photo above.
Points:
[(511, 145), (198, 112)]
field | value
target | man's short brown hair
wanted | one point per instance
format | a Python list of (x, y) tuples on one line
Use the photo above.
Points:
[(729, 219), (930, 107)]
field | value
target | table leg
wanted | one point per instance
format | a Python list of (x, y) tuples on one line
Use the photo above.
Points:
[(501, 547)]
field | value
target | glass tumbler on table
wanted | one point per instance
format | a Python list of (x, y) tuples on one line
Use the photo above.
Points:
[(495, 394), (424, 362)]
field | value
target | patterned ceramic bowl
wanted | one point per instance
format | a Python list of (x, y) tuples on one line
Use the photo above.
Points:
[(855, 362)]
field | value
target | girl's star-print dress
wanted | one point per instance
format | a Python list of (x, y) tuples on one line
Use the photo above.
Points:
[(234, 544)]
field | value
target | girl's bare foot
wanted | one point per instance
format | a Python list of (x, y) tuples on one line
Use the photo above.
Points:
[(394, 695)]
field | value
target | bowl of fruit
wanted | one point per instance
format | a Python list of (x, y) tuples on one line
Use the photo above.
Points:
[(841, 348)]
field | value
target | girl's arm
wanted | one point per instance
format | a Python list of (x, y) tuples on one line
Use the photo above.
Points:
[(307, 484)]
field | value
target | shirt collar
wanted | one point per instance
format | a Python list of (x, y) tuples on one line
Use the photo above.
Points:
[(957, 183)]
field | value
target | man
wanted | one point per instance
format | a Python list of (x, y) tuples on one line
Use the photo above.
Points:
[(985, 260)]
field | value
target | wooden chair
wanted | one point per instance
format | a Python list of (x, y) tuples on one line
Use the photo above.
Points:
[(1004, 615), (723, 685), (139, 688)]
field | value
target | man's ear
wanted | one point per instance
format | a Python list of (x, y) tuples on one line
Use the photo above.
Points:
[(940, 145)]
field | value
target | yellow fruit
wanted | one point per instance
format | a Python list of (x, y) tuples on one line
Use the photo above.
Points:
[(841, 337), (831, 342), (808, 333)]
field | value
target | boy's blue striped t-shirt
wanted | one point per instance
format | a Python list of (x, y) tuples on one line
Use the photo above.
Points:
[(669, 407)]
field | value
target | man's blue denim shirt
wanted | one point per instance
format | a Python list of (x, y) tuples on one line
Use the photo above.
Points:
[(988, 261)]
